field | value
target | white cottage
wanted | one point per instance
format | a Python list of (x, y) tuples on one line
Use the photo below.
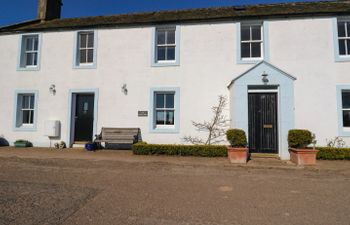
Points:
[(282, 66)]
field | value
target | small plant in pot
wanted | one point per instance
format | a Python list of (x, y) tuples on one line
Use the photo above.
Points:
[(237, 151), (22, 144), (300, 153)]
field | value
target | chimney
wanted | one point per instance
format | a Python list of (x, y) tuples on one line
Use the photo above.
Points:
[(49, 9)]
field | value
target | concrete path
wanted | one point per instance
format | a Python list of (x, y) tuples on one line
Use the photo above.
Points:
[(44, 186)]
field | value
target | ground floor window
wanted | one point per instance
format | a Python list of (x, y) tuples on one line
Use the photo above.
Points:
[(165, 109), (346, 108), (25, 110)]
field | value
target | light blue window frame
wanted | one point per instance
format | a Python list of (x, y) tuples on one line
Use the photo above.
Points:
[(266, 43), (152, 121), (342, 131), (17, 104), (76, 63), (154, 61), (338, 57), (20, 55)]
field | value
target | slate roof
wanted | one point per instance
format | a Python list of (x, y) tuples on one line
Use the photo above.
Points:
[(191, 15)]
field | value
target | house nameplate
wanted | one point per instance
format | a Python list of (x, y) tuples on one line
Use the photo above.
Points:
[(142, 113)]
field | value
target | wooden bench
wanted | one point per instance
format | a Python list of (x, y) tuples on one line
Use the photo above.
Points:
[(118, 135)]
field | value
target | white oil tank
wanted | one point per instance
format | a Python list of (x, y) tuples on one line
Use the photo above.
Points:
[(52, 128)]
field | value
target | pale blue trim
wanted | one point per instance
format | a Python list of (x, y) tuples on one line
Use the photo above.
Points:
[(266, 43), (154, 90), (154, 63), (15, 110), (20, 54), (338, 57), (341, 131), (76, 64), (70, 115)]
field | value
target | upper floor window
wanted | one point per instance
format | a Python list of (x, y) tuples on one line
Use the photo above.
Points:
[(346, 108), (344, 38), (166, 47), (29, 54), (86, 49), (251, 41)]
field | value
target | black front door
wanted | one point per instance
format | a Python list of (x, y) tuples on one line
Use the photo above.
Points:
[(262, 119), (84, 117)]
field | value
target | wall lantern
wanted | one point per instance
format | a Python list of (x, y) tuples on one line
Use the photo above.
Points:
[(264, 79), (125, 89), (52, 89)]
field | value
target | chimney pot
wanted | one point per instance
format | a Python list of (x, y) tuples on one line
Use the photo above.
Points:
[(49, 9)]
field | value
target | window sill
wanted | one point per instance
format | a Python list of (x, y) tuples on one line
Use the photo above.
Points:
[(85, 66), (171, 130), (28, 68), (25, 128), (249, 61), (339, 58), (165, 63)]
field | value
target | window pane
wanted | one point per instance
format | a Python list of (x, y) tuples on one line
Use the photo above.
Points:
[(31, 102), (161, 53), (341, 29), (26, 116), (348, 47), (29, 59), (25, 102), (245, 33), (160, 117), (82, 56), (348, 29), (169, 117), (342, 50), (169, 101), (91, 40), (171, 53), (83, 38), (256, 32), (29, 44), (346, 99), (159, 100), (256, 49), (35, 59), (245, 50), (36, 44), (160, 37), (171, 37), (346, 118), (31, 117), (90, 58)]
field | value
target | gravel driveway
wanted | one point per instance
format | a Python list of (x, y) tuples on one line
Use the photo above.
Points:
[(73, 187)]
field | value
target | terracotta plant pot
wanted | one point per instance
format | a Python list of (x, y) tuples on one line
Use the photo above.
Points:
[(237, 155), (303, 156)]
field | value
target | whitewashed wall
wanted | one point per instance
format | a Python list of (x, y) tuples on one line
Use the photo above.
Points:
[(301, 47)]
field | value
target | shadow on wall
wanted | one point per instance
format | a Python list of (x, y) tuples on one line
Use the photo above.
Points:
[(4, 142)]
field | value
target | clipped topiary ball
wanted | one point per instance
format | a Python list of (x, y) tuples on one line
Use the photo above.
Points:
[(298, 138), (237, 138)]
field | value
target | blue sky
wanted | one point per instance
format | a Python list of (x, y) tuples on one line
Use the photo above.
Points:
[(14, 11)]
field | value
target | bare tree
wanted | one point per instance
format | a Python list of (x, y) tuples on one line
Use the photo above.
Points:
[(216, 127)]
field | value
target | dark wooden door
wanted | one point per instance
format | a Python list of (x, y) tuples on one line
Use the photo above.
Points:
[(262, 119), (84, 117)]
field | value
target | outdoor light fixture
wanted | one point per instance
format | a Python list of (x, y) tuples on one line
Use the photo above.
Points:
[(264, 79), (124, 89), (52, 89)]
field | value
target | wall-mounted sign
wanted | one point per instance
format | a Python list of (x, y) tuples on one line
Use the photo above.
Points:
[(142, 113)]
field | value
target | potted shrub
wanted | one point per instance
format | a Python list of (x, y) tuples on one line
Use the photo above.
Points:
[(22, 144), (300, 153), (237, 151)]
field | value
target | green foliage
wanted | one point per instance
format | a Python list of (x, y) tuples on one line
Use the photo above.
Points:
[(236, 137), (299, 138), (22, 143), (330, 153), (181, 150)]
